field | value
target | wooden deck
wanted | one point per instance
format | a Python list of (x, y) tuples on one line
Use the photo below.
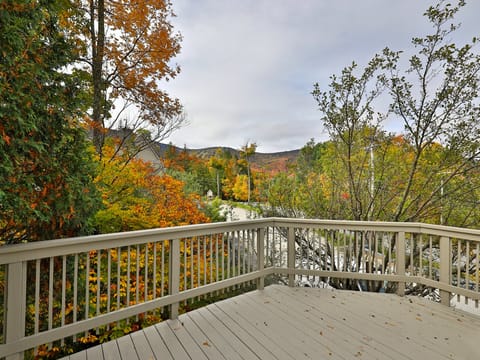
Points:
[(301, 323)]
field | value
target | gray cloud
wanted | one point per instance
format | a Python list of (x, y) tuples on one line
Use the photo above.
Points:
[(248, 66)]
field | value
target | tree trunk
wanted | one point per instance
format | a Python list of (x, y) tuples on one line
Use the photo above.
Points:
[(98, 48)]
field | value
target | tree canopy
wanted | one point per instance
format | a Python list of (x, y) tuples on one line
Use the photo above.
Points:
[(46, 174), (429, 171), (126, 51)]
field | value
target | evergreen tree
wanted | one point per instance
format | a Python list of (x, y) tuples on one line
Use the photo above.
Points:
[(46, 173)]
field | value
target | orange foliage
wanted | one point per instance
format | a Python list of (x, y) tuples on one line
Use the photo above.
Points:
[(136, 197)]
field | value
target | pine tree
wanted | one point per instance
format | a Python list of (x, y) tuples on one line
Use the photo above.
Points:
[(46, 173)]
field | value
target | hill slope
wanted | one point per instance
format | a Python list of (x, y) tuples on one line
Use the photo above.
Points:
[(268, 162)]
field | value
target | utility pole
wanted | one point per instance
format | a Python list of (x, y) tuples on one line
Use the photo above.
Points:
[(372, 179)]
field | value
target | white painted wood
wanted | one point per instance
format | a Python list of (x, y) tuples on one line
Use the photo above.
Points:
[(201, 339), (445, 267), (186, 340), (244, 336), (174, 275), (127, 348), (400, 261), (111, 351), (15, 311), (141, 345), (291, 254), (217, 338), (156, 343), (239, 236), (268, 325), (320, 327), (294, 323), (95, 353), (171, 341), (228, 335), (268, 339)]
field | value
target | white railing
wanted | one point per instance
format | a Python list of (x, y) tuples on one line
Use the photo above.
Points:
[(58, 291)]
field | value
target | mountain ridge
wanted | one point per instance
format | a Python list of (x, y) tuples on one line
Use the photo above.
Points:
[(270, 162)]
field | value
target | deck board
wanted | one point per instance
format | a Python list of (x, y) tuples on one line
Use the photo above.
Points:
[(301, 323), (111, 351), (156, 343), (126, 348)]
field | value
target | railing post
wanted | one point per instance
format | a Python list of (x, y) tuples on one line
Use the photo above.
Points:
[(260, 257), (291, 256), (400, 245), (445, 268), (15, 305), (174, 275)]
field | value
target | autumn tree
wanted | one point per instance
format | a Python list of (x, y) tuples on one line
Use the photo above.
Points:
[(46, 173), (217, 164), (436, 99), (429, 172), (246, 152), (136, 197), (128, 47)]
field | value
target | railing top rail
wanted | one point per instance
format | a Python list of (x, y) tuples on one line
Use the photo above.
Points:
[(42, 249), (409, 227), (58, 247)]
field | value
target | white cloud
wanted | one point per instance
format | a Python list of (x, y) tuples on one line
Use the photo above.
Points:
[(248, 66)]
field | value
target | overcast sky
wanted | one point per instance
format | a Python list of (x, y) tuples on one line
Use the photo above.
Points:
[(248, 66)]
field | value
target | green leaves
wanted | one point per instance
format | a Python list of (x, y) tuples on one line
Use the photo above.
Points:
[(46, 174), (436, 98)]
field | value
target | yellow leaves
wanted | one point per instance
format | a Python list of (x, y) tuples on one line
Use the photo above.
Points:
[(91, 338), (240, 188)]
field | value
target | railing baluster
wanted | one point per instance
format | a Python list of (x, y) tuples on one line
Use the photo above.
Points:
[(162, 290), (192, 261), (64, 280), (291, 256), (260, 256), (50, 294), (430, 257), (128, 277), (137, 276), (238, 255), (99, 284), (420, 257), (216, 258), (119, 276), (477, 272), (174, 275), (204, 248), (87, 286), (412, 250), (109, 278), (154, 274), (370, 253), (267, 245), (445, 268), (199, 253), (459, 257), (16, 303), (467, 267), (211, 258), (75, 290), (185, 266), (400, 266), (37, 296), (145, 282), (229, 251), (243, 253)]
